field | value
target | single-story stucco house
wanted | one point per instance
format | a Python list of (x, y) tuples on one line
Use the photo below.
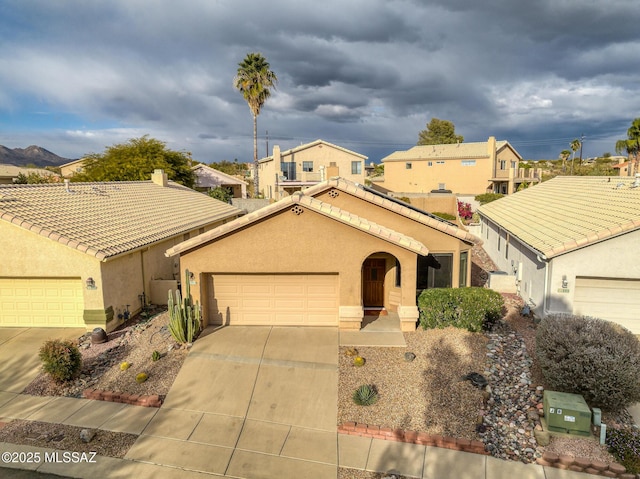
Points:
[(571, 244), (208, 178), (85, 254), (322, 257)]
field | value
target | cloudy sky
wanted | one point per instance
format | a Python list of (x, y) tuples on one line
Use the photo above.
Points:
[(77, 76)]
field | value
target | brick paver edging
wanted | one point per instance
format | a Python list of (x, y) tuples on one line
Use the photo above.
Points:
[(584, 465), (133, 399), (413, 437)]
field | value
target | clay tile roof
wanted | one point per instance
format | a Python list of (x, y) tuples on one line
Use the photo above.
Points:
[(568, 212), (444, 152), (313, 204), (394, 205), (111, 218)]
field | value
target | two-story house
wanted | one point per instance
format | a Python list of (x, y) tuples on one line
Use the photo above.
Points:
[(463, 168), (285, 172)]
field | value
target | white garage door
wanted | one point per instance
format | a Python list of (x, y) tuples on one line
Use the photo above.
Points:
[(276, 299), (612, 299), (41, 302)]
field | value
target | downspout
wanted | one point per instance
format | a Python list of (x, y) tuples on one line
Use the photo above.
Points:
[(546, 292)]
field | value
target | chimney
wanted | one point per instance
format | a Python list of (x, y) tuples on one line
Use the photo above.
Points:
[(159, 177), (276, 155)]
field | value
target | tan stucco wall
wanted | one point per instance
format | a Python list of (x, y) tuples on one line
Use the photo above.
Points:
[(305, 243), (435, 240), (422, 178), (119, 281), (27, 254)]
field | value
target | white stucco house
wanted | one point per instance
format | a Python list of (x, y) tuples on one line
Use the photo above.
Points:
[(571, 246)]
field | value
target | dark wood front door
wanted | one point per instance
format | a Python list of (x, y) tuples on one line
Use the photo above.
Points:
[(373, 282)]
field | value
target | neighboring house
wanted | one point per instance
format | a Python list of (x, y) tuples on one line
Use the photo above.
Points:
[(462, 168), (286, 172), (321, 257), (69, 169), (625, 169), (83, 254), (571, 244), (208, 178), (10, 173)]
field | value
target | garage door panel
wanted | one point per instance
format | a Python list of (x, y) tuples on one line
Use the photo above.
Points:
[(41, 302), (616, 300), (284, 299)]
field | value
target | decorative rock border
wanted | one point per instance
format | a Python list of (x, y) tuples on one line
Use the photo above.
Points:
[(413, 437), (113, 396), (577, 464)]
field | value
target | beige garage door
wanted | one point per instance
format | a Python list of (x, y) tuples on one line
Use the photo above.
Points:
[(40, 302), (613, 299), (276, 299)]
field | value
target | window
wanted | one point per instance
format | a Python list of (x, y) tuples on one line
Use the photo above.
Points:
[(398, 274), (430, 163), (288, 170), (441, 162), (408, 166), (307, 166), (442, 186), (464, 262), (503, 164), (513, 164), (434, 271), (356, 167), (468, 162)]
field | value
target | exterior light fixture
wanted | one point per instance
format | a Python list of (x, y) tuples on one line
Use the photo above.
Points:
[(565, 283), (91, 284)]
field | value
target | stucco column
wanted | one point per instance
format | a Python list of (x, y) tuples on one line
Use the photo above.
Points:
[(351, 317)]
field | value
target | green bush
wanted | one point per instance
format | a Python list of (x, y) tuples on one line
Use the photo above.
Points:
[(624, 444), (365, 395), (595, 358), (60, 359), (444, 216), (485, 198), (473, 309)]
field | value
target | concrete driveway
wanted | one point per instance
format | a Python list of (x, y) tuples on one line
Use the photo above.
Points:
[(19, 349), (251, 402)]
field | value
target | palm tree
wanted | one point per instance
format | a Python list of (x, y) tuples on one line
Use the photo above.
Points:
[(564, 156), (631, 145), (575, 146), (254, 80)]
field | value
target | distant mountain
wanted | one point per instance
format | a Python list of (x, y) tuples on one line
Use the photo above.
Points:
[(31, 155)]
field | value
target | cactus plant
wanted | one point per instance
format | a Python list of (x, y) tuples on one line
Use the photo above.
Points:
[(155, 356), (141, 377), (185, 315)]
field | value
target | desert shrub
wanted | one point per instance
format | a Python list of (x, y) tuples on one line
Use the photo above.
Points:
[(473, 309), (444, 216), (141, 377), (595, 358), (365, 395), (60, 359), (406, 199), (485, 198), (358, 361), (624, 444)]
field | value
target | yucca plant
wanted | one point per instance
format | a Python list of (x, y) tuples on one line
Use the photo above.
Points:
[(185, 316), (365, 395)]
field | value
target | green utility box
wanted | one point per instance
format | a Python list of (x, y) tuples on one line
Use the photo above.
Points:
[(567, 413)]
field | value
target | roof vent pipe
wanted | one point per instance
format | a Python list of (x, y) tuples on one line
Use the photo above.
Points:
[(636, 182), (66, 185)]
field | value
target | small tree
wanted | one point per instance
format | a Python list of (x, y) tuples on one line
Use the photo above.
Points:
[(220, 193), (439, 132)]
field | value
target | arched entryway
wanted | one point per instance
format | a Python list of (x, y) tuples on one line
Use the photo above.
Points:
[(381, 288)]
